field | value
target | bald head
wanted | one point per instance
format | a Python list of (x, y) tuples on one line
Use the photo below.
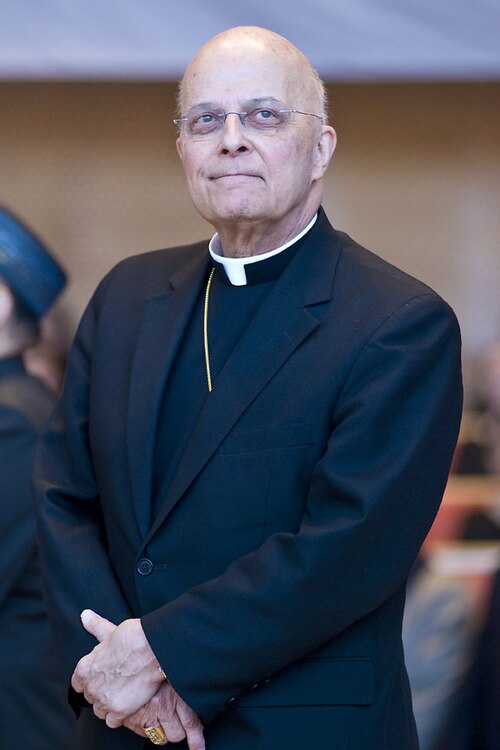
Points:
[(252, 138), (262, 44)]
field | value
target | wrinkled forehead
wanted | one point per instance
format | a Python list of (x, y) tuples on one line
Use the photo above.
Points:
[(232, 76)]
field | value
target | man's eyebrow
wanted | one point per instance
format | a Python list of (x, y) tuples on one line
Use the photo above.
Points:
[(265, 100), (203, 105), (255, 102)]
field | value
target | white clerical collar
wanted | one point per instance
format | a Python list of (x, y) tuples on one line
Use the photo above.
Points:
[(235, 267)]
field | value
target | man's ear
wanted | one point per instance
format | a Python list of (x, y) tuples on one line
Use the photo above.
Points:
[(178, 146), (6, 304), (325, 147)]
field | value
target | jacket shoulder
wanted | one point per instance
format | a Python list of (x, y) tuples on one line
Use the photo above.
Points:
[(145, 275), (368, 292), (145, 268), (361, 278), (377, 275)]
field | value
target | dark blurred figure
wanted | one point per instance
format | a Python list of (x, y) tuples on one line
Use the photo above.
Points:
[(33, 706), (474, 721), (438, 642), (471, 455), (475, 724), (484, 684), (492, 407), (478, 449)]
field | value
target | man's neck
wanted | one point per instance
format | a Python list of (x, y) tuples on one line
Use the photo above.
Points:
[(248, 239), (237, 268)]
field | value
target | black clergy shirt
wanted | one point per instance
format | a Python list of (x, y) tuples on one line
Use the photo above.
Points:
[(230, 311)]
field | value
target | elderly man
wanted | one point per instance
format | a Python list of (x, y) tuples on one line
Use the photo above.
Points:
[(31, 682), (252, 443)]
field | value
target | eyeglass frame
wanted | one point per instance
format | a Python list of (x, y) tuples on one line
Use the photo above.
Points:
[(242, 115)]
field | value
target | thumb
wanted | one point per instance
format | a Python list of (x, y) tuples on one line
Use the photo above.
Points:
[(96, 625)]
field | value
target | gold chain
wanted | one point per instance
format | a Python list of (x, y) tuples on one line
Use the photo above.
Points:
[(205, 330)]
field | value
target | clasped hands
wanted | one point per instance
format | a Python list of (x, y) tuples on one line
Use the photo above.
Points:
[(122, 680)]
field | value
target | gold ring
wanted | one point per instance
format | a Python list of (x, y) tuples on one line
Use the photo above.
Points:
[(155, 734)]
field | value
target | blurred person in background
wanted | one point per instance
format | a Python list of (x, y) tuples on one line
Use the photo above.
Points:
[(455, 668), (474, 724), (491, 422), (438, 638), (47, 359), (33, 705), (478, 450)]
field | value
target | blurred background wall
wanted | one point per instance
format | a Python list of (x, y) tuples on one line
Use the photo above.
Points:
[(87, 146)]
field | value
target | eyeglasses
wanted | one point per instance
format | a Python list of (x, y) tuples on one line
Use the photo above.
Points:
[(209, 124)]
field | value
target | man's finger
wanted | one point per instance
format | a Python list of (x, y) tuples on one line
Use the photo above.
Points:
[(99, 712), (114, 720), (96, 625), (195, 738), (173, 729), (192, 727), (80, 675)]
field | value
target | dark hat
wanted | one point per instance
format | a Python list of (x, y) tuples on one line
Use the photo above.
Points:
[(27, 266)]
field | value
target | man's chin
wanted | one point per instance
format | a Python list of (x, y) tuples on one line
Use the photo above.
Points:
[(236, 212)]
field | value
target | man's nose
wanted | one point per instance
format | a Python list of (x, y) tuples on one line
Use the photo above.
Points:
[(233, 136)]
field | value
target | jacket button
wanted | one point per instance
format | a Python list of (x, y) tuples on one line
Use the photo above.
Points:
[(144, 567)]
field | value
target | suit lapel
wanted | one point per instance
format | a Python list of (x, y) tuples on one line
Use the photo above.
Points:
[(279, 327), (165, 317)]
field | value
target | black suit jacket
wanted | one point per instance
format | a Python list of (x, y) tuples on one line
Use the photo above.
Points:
[(271, 581), (33, 707)]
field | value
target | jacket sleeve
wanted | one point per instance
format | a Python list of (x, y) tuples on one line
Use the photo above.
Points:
[(372, 498), (73, 549)]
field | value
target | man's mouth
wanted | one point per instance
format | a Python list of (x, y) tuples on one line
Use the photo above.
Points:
[(235, 175)]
